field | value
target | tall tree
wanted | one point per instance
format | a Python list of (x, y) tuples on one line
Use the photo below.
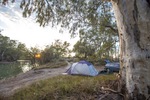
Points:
[(133, 18), (99, 32), (32, 52), (22, 51), (83, 49), (57, 50), (133, 21), (61, 48), (11, 50), (7, 48)]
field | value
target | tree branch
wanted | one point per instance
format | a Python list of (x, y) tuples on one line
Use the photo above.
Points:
[(49, 7), (111, 90), (113, 29)]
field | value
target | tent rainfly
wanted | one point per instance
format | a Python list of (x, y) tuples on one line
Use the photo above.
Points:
[(82, 68)]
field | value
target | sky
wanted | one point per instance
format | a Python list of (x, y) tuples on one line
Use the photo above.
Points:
[(25, 30)]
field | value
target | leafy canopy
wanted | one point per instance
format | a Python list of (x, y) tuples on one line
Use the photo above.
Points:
[(92, 19), (72, 14)]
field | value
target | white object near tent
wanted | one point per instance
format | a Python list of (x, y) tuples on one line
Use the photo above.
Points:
[(82, 68)]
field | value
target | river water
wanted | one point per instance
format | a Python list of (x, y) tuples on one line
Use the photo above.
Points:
[(10, 69), (26, 66)]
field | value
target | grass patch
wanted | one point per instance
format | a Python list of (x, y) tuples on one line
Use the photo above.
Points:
[(55, 64), (9, 69), (65, 88)]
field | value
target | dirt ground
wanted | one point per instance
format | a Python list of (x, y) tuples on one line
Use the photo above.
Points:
[(11, 85)]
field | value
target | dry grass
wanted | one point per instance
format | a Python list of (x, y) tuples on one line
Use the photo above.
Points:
[(65, 88), (56, 64)]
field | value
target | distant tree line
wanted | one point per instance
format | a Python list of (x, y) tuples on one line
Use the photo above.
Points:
[(86, 48), (12, 50)]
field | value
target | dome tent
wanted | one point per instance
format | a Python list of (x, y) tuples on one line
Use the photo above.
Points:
[(82, 68)]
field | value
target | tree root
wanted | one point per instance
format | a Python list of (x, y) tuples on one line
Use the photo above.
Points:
[(113, 91), (103, 96)]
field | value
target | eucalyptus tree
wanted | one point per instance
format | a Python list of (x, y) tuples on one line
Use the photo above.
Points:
[(11, 50), (55, 51), (61, 48), (3, 45), (7, 48), (83, 49), (133, 21), (100, 33), (102, 42), (47, 54), (32, 52), (22, 51), (133, 18)]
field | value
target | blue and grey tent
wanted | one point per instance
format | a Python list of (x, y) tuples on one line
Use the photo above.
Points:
[(82, 68)]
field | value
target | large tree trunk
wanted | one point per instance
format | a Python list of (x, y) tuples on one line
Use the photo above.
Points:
[(133, 21)]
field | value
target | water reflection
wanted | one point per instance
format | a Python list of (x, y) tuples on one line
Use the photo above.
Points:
[(25, 65), (10, 69)]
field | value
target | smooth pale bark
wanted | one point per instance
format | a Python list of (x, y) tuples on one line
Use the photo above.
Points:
[(133, 22)]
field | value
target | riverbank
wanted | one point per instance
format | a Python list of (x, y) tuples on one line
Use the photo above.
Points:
[(9, 86)]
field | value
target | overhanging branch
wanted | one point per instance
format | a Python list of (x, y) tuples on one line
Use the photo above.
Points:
[(113, 29)]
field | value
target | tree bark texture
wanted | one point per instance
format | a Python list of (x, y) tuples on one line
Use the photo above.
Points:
[(133, 22)]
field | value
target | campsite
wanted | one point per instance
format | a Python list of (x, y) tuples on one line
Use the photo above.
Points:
[(74, 49), (33, 79)]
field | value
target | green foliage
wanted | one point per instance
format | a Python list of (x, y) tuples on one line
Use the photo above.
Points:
[(22, 51), (31, 54), (94, 20), (65, 88), (99, 36), (72, 14), (11, 50), (55, 51), (83, 49), (94, 45)]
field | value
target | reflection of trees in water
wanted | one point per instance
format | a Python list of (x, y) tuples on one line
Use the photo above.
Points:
[(9, 69), (25, 65)]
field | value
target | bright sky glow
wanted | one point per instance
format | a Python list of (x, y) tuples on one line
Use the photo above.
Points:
[(25, 30)]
